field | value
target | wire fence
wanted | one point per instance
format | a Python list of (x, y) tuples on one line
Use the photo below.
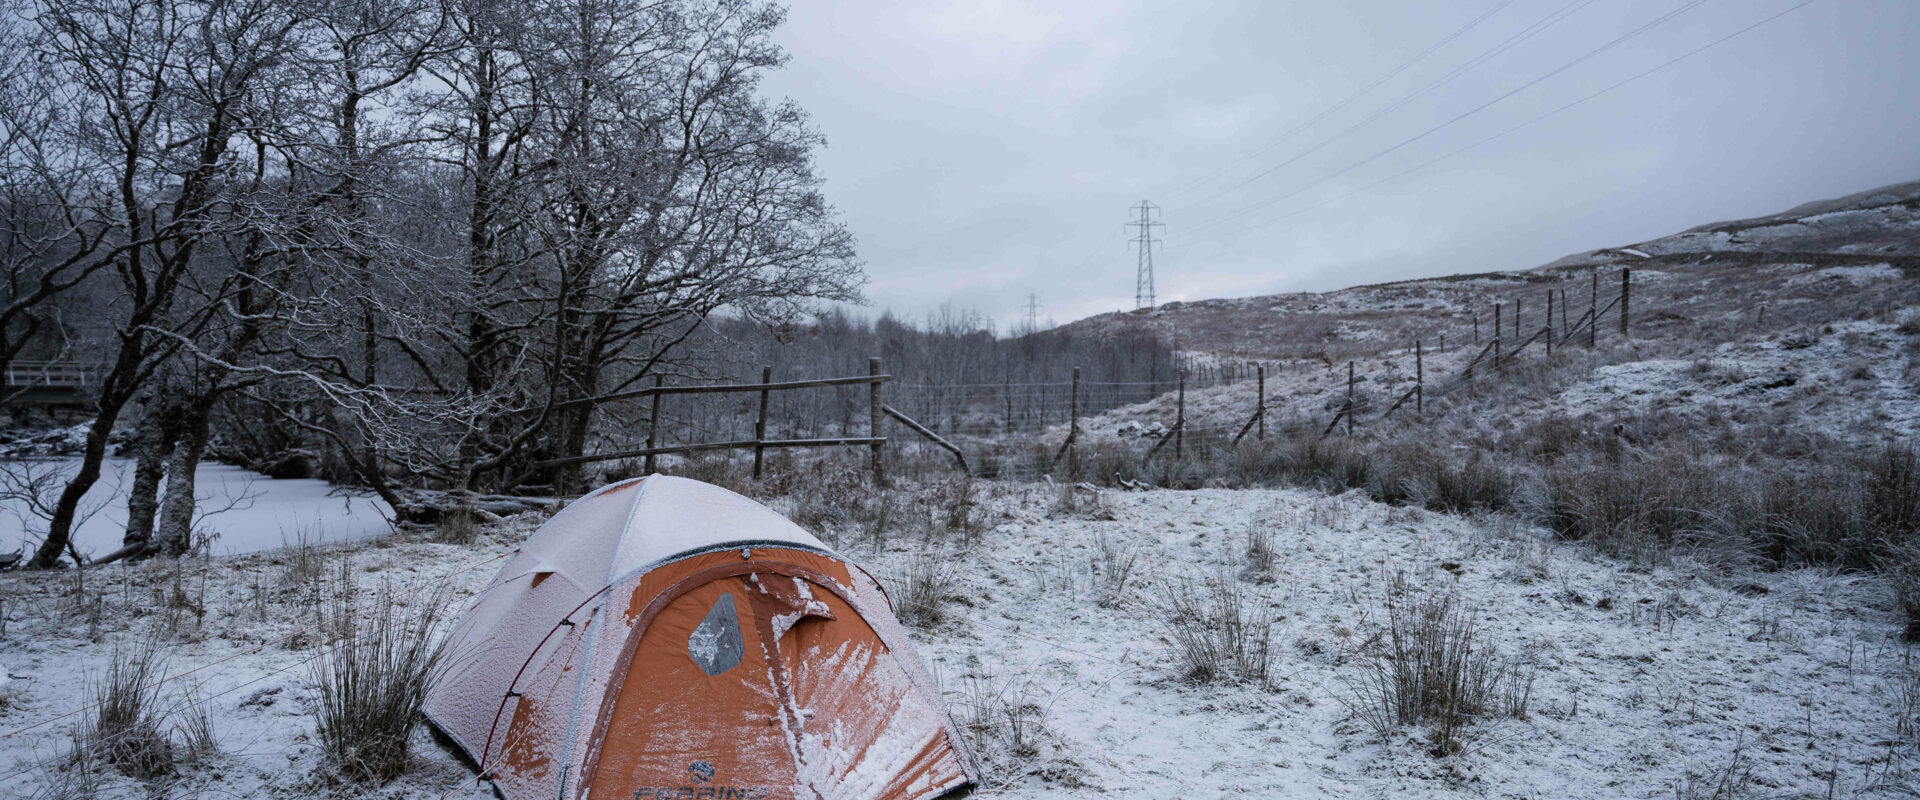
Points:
[(1031, 430)]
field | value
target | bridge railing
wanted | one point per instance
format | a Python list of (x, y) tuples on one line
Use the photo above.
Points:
[(49, 374)]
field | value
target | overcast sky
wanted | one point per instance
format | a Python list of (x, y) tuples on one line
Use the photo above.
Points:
[(982, 150)]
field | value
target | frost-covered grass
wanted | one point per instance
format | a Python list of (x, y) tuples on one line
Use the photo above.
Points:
[(1056, 654)]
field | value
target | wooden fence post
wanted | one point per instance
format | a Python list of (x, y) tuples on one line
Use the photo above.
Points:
[(1073, 428), (1563, 314), (1549, 323), (760, 425), (1348, 398), (1180, 416), (1626, 292), (1593, 311), (1476, 330), (876, 403), (1496, 334), (653, 423), (1007, 392), (1419, 378), (1516, 318), (1262, 410)]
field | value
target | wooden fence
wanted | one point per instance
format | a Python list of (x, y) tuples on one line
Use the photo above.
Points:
[(875, 440)]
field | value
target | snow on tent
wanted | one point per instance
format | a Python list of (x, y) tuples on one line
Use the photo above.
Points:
[(665, 638)]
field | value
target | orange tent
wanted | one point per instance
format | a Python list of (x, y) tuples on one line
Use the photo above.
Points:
[(665, 638)]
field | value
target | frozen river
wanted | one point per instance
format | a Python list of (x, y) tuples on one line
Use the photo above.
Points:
[(243, 511)]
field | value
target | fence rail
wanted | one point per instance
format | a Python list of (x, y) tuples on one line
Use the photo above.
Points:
[(64, 374), (875, 440)]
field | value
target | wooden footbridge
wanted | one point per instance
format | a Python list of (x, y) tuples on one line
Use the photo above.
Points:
[(47, 383)]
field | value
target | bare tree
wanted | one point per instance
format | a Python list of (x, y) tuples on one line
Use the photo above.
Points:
[(154, 93)]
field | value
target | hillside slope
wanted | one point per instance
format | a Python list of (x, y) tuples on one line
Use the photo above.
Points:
[(1824, 256)]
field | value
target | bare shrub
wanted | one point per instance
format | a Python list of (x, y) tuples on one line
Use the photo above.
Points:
[(1431, 669), (1220, 633), (371, 683), (127, 727)]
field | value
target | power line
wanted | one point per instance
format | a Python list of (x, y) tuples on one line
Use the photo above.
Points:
[(1617, 41), (1144, 240), (1357, 94), (1092, 259), (1637, 76), (1491, 53)]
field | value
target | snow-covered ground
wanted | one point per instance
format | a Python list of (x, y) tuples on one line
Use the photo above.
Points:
[(1847, 379), (1648, 681), (241, 511)]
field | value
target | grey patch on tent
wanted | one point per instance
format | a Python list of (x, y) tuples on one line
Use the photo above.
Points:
[(715, 645)]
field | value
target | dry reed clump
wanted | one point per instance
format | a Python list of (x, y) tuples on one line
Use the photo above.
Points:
[(194, 726), (1220, 632), (1432, 669), (1731, 780), (1004, 721), (372, 680), (924, 587), (1846, 513), (457, 525), (1634, 508), (1260, 555), (1331, 464), (1903, 570), (1112, 569), (127, 727)]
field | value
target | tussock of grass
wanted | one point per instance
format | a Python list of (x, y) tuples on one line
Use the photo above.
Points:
[(1220, 632), (371, 682), (1432, 669), (127, 727), (921, 591)]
